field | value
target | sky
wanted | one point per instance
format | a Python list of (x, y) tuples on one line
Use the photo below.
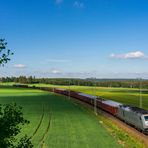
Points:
[(76, 38)]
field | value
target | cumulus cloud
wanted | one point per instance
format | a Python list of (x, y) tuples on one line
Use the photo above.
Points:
[(59, 2), (19, 66), (78, 4), (130, 55)]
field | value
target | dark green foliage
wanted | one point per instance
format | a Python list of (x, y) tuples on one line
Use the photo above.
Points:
[(125, 83), (25, 143), (4, 52), (11, 119), (11, 116)]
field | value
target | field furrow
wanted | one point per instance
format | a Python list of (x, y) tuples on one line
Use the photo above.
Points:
[(38, 124), (42, 142)]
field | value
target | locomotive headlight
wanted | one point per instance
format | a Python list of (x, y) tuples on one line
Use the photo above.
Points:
[(146, 123), (146, 120)]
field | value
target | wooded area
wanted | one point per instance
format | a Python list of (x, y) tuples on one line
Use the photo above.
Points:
[(127, 83)]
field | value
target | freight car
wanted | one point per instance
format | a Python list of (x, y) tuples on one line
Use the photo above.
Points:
[(86, 98), (109, 106), (61, 91)]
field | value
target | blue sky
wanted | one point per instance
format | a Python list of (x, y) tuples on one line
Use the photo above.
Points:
[(76, 38)]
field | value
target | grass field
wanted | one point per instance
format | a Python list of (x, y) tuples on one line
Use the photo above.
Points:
[(57, 122), (123, 95)]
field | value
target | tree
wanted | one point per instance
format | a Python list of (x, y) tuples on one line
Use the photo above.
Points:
[(11, 116), (24, 143), (23, 79), (11, 121), (4, 52)]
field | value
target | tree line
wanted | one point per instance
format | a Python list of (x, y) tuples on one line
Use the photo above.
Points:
[(125, 83)]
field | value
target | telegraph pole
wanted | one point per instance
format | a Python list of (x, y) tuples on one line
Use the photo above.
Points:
[(140, 89), (69, 89), (95, 100)]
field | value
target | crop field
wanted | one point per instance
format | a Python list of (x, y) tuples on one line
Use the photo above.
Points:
[(56, 121), (124, 95)]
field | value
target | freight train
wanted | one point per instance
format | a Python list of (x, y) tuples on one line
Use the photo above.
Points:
[(133, 116)]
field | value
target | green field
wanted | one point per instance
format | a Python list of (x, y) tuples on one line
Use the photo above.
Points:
[(123, 95), (57, 122)]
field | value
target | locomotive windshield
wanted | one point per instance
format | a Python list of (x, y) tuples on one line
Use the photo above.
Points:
[(146, 118)]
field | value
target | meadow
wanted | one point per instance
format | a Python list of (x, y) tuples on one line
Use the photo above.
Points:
[(56, 121)]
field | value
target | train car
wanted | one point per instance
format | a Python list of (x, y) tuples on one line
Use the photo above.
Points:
[(61, 91), (109, 106), (134, 116), (86, 98), (74, 94), (77, 95)]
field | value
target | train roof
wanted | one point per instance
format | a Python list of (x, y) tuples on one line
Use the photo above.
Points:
[(135, 109), (111, 103), (87, 95), (59, 89)]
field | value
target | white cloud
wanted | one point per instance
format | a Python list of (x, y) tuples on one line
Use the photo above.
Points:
[(78, 4), (49, 72), (59, 73), (59, 2), (130, 55), (56, 71), (19, 66)]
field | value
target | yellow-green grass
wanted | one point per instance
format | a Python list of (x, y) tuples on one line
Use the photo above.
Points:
[(58, 122)]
